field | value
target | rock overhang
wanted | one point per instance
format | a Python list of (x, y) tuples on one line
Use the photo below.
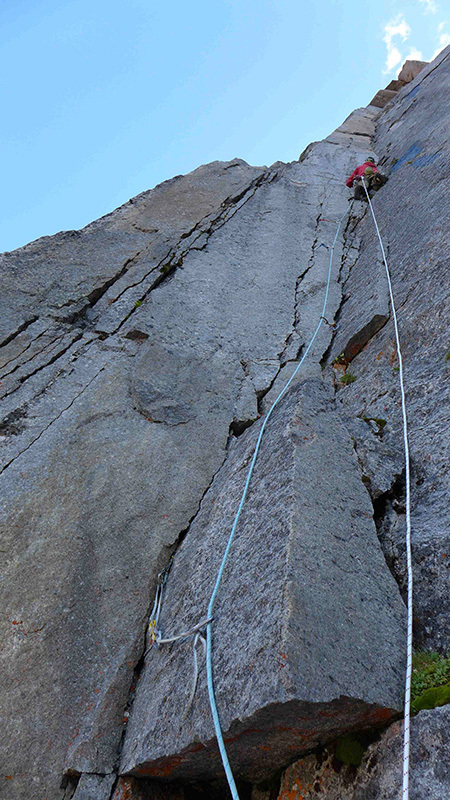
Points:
[(284, 732)]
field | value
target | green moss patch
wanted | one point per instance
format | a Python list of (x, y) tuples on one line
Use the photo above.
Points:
[(432, 698), (349, 750), (430, 683), (378, 420)]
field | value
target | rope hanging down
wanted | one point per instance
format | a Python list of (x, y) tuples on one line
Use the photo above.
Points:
[(407, 708), (154, 635), (209, 669)]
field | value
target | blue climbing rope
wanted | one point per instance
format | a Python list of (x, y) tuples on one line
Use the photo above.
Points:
[(209, 665)]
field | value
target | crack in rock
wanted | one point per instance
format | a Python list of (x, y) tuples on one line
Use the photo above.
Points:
[(6, 391), (19, 330), (44, 430)]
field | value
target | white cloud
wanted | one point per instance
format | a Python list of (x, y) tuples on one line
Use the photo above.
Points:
[(444, 40), (397, 31), (396, 27), (394, 58), (414, 55), (430, 6)]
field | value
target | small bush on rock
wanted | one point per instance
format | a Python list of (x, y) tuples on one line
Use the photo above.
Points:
[(348, 378)]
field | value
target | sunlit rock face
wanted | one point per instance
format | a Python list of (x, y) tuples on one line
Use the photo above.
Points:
[(138, 358)]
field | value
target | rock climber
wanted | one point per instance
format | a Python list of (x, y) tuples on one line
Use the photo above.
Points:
[(374, 180)]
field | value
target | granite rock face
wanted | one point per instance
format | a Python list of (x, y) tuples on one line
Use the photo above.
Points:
[(306, 613), (409, 71), (135, 363), (94, 496), (414, 218)]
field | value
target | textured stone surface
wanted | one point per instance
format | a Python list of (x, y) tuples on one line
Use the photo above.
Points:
[(64, 273), (413, 215), (94, 787), (93, 497), (382, 97), (318, 775), (381, 770), (99, 493), (134, 352), (411, 69), (306, 596), (396, 85), (131, 789), (380, 775)]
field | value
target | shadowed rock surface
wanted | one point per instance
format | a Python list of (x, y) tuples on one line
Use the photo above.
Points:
[(135, 362), (379, 777)]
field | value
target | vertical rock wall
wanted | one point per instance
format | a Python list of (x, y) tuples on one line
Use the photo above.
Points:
[(413, 214), (137, 358)]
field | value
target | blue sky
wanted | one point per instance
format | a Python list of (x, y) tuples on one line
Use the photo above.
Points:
[(102, 100)]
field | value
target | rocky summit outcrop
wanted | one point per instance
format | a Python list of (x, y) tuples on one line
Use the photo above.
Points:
[(409, 71), (138, 359)]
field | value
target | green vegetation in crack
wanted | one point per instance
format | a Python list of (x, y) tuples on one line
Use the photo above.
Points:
[(340, 359), (378, 421), (349, 750), (430, 683), (348, 378)]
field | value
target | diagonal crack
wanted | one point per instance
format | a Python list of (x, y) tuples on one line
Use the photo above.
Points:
[(46, 346), (19, 330), (166, 556), (48, 363), (173, 260), (27, 347), (44, 430), (95, 295)]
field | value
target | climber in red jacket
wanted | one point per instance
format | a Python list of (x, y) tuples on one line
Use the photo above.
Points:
[(374, 180)]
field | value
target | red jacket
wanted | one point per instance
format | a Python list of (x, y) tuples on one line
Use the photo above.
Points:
[(358, 172)]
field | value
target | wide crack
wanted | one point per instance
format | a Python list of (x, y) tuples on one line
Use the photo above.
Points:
[(165, 562), (389, 516)]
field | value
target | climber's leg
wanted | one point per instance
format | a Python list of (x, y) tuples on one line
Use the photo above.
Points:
[(359, 193)]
